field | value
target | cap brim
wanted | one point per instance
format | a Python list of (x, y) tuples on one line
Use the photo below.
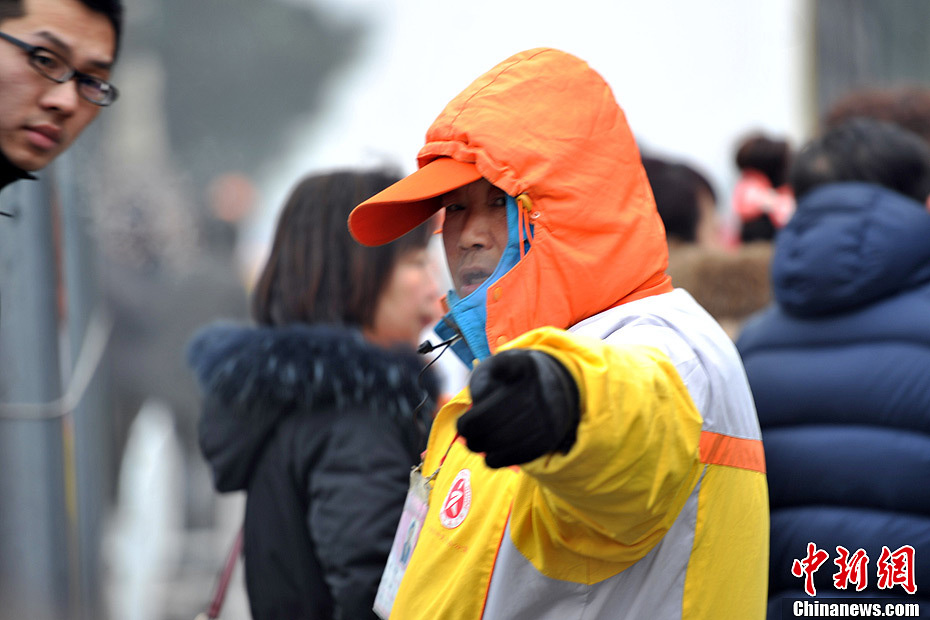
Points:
[(408, 203)]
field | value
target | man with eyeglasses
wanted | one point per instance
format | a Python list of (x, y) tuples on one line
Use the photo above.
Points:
[(55, 62)]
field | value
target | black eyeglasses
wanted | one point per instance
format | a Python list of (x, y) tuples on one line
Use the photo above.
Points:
[(49, 64)]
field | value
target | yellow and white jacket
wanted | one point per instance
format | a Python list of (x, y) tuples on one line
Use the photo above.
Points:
[(659, 510)]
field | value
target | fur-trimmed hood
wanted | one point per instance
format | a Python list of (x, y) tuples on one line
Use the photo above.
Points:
[(252, 377), (730, 285)]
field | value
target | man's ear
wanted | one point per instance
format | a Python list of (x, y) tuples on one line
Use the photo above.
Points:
[(927, 203)]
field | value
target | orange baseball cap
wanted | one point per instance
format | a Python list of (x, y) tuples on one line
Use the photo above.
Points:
[(408, 203)]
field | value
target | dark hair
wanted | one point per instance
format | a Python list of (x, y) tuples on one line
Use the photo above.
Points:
[(757, 229), (867, 150), (676, 188), (112, 9), (11, 8), (770, 156), (907, 106), (316, 272)]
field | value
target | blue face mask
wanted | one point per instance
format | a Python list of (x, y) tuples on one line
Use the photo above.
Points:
[(469, 314)]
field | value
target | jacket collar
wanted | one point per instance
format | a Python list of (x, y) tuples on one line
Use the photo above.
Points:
[(309, 366), (469, 314), (10, 173)]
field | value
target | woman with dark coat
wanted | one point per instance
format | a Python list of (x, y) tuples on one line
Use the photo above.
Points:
[(319, 412)]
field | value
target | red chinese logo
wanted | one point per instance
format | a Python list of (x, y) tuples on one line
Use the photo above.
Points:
[(808, 566), (897, 568), (852, 569), (894, 568)]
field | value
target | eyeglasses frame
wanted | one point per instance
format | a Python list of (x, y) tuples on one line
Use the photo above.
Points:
[(72, 72)]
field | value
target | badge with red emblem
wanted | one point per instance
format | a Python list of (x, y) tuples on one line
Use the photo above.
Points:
[(458, 501)]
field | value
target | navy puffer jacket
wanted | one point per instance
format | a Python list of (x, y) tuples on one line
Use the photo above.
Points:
[(840, 371)]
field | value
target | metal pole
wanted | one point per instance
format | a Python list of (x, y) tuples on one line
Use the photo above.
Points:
[(34, 542), (90, 429)]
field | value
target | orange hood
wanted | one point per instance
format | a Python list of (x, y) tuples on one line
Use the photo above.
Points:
[(544, 125)]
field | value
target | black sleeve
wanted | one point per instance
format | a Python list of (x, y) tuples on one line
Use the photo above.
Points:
[(357, 485)]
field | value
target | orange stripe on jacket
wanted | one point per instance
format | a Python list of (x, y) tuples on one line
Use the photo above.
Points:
[(717, 449)]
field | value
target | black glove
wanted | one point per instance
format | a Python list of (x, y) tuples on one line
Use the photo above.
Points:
[(524, 405)]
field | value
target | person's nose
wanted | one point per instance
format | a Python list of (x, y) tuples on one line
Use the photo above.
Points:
[(62, 98), (476, 230)]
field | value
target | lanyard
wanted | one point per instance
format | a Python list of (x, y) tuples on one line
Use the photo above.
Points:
[(433, 475)]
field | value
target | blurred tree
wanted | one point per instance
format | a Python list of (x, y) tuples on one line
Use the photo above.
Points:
[(864, 44), (237, 73)]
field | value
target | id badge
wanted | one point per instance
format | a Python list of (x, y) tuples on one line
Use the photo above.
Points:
[(405, 539)]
